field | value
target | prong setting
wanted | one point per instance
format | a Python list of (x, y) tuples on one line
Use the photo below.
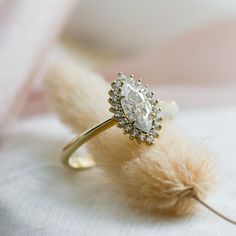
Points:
[(127, 122)]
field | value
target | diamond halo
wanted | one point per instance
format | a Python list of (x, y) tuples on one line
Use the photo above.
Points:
[(135, 109)]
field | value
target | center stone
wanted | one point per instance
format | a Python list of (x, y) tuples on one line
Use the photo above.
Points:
[(136, 105)]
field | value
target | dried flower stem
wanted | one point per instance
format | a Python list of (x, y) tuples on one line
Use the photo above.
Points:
[(199, 200)]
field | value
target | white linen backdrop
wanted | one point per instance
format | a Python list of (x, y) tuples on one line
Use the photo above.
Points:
[(39, 196)]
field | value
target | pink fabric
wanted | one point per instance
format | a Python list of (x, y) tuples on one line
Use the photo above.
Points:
[(27, 28), (197, 69), (203, 57)]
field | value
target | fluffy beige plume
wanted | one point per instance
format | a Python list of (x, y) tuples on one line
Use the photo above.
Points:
[(166, 177)]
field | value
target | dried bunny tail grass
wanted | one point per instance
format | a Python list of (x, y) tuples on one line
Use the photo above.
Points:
[(166, 176), (76, 94), (170, 176)]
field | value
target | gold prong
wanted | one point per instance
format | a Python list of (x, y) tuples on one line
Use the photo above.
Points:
[(111, 109), (119, 124), (131, 76), (146, 85), (113, 83), (154, 114), (139, 141), (160, 119), (140, 80), (131, 136), (159, 127), (125, 131), (111, 92), (110, 101)]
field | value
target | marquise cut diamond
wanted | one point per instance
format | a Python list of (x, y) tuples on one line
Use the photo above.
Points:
[(136, 105)]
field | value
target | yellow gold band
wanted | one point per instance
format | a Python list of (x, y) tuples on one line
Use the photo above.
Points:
[(169, 109)]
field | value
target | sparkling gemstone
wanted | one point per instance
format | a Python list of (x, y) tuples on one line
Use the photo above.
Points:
[(136, 105), (150, 140), (154, 132), (134, 133), (141, 137), (118, 84)]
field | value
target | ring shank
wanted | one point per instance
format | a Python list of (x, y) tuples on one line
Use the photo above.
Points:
[(73, 145), (169, 109)]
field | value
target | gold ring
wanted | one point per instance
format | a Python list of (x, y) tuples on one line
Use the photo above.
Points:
[(134, 109)]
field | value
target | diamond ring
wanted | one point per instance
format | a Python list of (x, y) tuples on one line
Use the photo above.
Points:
[(135, 110)]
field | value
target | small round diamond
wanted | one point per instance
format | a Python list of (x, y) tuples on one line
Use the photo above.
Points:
[(154, 132), (142, 137), (149, 140)]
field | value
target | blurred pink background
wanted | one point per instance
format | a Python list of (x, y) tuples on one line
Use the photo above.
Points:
[(186, 50)]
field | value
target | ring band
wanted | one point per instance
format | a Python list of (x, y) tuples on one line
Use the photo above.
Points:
[(135, 111)]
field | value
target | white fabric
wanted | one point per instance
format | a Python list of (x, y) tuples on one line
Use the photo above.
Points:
[(38, 196)]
